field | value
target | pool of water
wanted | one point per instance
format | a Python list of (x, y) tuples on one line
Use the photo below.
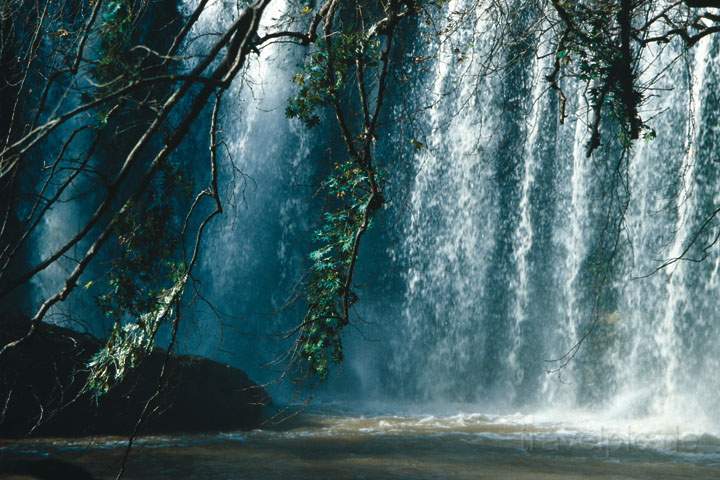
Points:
[(313, 445)]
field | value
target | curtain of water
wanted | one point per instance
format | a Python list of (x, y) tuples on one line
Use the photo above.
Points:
[(503, 217), (472, 306), (254, 252)]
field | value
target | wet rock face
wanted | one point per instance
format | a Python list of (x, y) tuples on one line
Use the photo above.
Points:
[(41, 392)]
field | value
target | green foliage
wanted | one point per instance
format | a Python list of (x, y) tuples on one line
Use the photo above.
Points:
[(143, 276), (320, 340), (116, 32), (325, 76), (128, 344), (147, 244), (316, 86), (593, 47)]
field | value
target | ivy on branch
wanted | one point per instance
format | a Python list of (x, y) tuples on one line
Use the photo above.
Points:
[(354, 192)]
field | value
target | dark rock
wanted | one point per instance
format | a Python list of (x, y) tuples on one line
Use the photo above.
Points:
[(41, 391)]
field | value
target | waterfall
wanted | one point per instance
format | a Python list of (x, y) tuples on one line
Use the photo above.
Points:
[(450, 233), (500, 244), (503, 221), (254, 253), (523, 237), (670, 323)]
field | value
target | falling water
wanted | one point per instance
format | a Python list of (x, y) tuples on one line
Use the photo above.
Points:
[(503, 223), (504, 219), (501, 245), (254, 253), (453, 218)]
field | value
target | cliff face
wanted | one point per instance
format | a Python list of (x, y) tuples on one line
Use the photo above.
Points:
[(41, 383)]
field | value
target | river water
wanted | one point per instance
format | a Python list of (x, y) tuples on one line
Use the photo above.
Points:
[(338, 445)]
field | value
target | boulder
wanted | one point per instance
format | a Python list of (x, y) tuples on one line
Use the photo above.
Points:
[(41, 391)]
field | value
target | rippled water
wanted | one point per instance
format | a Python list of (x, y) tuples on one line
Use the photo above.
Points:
[(411, 446)]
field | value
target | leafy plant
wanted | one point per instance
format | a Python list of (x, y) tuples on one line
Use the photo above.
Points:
[(116, 32), (142, 282), (326, 315), (316, 88)]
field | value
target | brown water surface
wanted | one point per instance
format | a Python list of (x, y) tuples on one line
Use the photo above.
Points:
[(380, 447)]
